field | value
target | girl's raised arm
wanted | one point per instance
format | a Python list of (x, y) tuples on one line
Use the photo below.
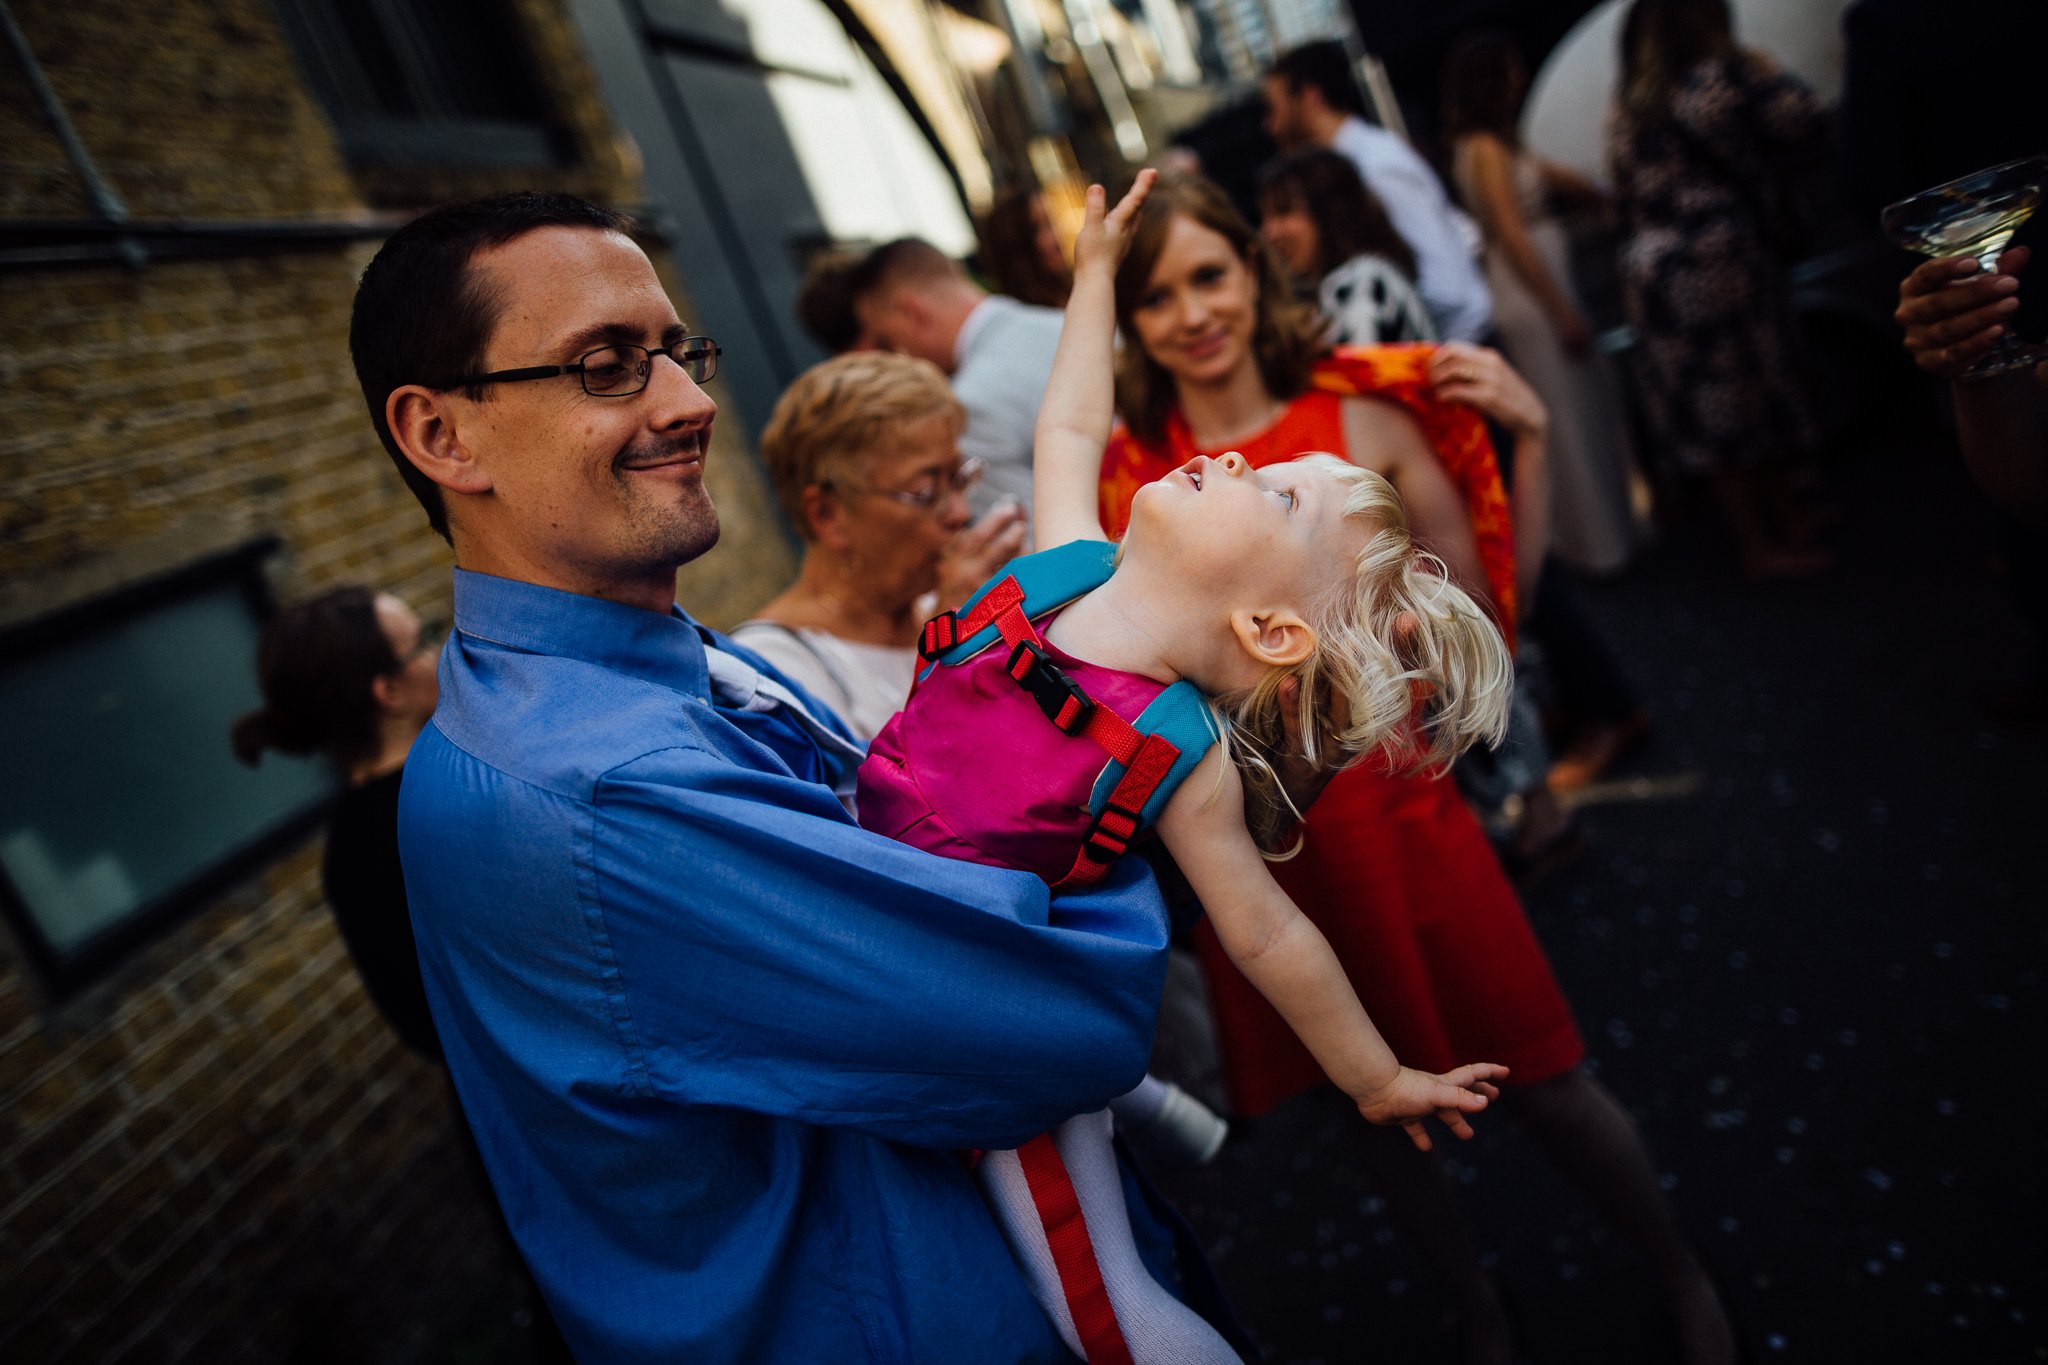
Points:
[(1080, 395)]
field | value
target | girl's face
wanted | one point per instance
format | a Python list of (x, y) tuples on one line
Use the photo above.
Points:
[(1292, 235), (1252, 541), (1200, 308), (894, 526)]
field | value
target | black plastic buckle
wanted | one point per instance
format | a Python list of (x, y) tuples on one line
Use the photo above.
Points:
[(1062, 699), (940, 634), (1110, 833)]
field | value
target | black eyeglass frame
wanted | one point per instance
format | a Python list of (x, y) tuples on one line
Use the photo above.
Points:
[(699, 346)]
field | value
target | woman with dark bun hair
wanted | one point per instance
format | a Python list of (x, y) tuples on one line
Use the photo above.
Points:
[(348, 675)]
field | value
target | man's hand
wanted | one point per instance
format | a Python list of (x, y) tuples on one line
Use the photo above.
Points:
[(1953, 312), (972, 557), (1412, 1096)]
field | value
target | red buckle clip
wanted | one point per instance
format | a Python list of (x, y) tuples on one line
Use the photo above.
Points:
[(1110, 833), (940, 634), (1062, 699)]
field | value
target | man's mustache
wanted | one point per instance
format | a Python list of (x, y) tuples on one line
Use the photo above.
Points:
[(663, 449)]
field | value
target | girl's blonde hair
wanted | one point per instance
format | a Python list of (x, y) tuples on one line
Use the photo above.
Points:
[(1360, 685)]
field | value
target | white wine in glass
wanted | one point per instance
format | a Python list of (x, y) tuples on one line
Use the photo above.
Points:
[(1976, 215)]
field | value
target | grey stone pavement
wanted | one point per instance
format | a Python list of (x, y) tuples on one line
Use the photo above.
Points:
[(1805, 944)]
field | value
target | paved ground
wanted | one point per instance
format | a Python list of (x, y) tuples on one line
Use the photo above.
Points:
[(1805, 944)]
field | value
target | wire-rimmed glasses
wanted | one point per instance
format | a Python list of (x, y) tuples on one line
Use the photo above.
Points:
[(616, 371)]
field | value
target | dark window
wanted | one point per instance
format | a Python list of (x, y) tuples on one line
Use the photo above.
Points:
[(121, 805), (434, 82)]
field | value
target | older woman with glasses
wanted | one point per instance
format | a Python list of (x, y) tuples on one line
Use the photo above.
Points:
[(864, 452)]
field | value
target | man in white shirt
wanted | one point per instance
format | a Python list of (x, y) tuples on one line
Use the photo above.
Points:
[(909, 296), (1312, 100)]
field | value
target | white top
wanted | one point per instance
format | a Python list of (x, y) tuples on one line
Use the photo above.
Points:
[(1001, 362), (865, 684), (1367, 300), (1445, 240)]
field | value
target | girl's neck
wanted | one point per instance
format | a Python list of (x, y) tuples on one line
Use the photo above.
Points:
[(827, 596), (1137, 624), (1231, 409)]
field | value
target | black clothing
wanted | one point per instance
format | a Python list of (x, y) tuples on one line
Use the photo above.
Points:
[(366, 888)]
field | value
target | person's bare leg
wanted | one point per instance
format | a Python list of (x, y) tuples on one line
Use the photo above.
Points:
[(1425, 1205), (1595, 1143)]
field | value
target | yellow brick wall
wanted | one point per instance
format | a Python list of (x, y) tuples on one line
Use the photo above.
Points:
[(220, 1153)]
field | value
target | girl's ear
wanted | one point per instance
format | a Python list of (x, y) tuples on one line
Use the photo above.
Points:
[(1276, 639)]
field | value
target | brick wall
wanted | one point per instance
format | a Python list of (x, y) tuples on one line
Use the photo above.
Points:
[(220, 1153)]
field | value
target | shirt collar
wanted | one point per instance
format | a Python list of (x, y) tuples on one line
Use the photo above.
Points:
[(665, 650), (974, 324)]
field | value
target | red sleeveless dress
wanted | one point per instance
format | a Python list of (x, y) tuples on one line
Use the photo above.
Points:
[(1395, 871)]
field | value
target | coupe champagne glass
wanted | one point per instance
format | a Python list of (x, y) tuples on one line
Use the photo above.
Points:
[(1977, 215)]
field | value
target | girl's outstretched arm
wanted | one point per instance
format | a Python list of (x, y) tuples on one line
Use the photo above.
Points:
[(1289, 961), (1080, 394)]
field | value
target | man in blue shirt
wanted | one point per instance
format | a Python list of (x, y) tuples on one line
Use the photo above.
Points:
[(720, 1047)]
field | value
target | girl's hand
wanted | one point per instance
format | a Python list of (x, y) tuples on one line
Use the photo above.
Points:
[(1481, 378), (1412, 1096), (1953, 313), (1105, 236), (972, 557)]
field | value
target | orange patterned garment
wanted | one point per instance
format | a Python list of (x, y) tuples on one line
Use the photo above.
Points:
[(1396, 374)]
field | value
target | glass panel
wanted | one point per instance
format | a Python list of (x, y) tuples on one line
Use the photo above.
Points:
[(117, 785)]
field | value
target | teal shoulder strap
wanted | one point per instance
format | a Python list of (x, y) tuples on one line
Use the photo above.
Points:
[(1050, 579), (1181, 716)]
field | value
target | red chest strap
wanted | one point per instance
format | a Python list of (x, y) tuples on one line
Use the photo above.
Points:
[(1147, 759)]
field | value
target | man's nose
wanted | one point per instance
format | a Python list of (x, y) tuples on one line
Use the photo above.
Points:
[(678, 399)]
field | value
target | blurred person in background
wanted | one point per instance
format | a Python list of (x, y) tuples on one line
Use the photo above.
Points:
[(864, 452), (1542, 327), (1700, 152), (909, 296), (1020, 250), (351, 675), (1334, 237), (1312, 100)]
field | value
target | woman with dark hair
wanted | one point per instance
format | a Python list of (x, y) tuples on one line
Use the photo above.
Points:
[(1021, 250), (1702, 148), (1395, 871), (350, 676), (1542, 327), (1334, 237)]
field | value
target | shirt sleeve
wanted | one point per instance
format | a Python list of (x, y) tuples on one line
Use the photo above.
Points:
[(772, 957)]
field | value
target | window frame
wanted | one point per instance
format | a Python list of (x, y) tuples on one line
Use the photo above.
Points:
[(63, 973)]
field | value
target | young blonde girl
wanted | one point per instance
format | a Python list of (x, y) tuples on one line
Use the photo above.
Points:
[(1295, 600)]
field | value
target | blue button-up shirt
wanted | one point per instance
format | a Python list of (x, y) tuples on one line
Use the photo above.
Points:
[(718, 1044)]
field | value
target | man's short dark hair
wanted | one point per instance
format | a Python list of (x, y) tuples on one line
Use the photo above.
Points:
[(1325, 68), (904, 261), (824, 303), (423, 317)]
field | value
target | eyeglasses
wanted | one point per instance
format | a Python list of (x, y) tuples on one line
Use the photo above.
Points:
[(927, 495), (615, 371)]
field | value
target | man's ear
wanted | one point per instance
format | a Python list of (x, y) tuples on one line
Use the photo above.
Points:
[(1278, 638), (424, 425)]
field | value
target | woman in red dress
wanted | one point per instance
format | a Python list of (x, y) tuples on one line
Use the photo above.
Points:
[(1395, 870)]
